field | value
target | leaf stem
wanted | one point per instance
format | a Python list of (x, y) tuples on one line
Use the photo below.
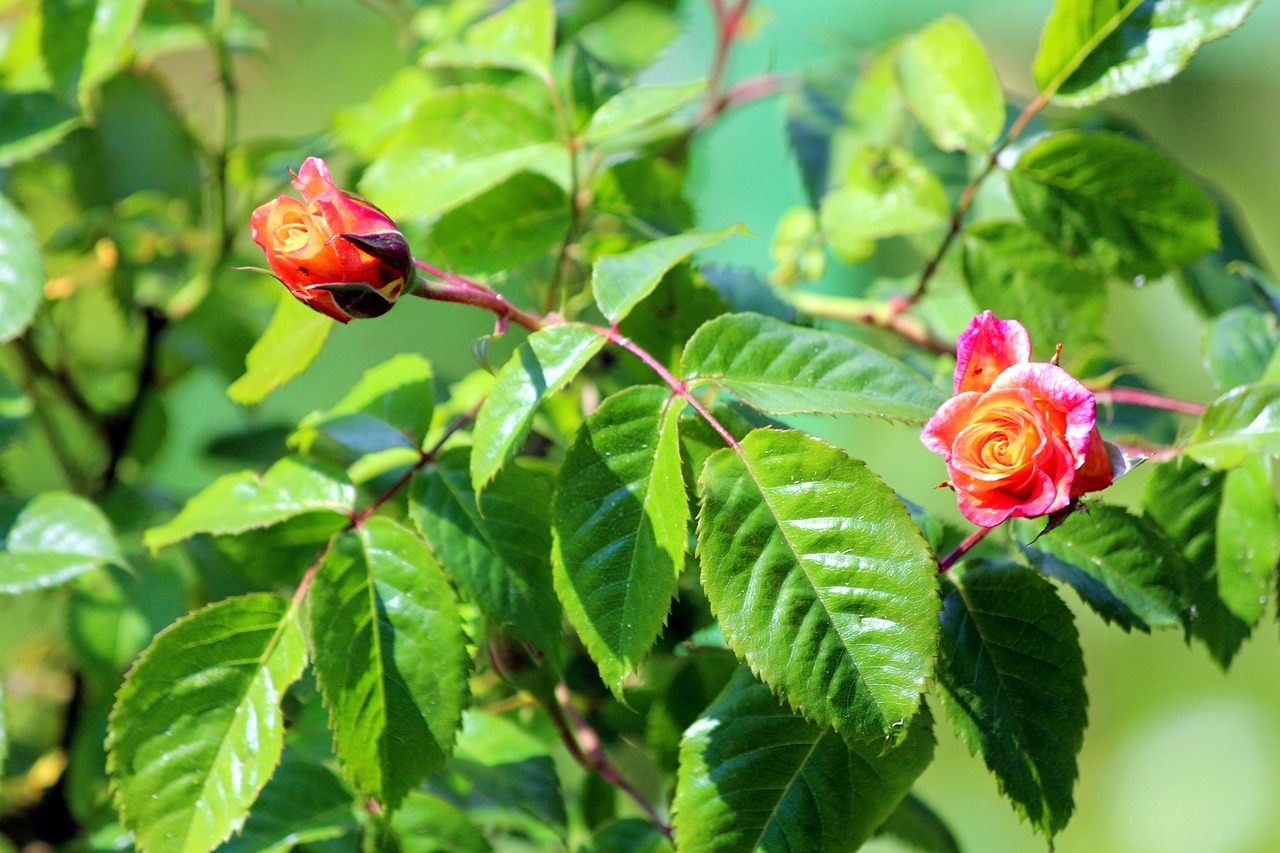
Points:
[(728, 21), (1148, 399), (448, 287), (889, 315), (945, 564)]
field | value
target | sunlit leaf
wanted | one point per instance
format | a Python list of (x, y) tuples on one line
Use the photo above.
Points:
[(291, 342), (56, 537), (1248, 538), (1244, 421), (635, 107), (621, 281), (885, 192), (110, 41), (950, 85), (390, 406), (520, 36), (1074, 31), (21, 272)]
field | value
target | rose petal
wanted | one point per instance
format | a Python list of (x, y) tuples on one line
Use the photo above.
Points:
[(313, 179), (986, 348), (940, 432), (1063, 394)]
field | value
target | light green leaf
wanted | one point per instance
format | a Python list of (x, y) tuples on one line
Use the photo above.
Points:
[(1248, 540), (496, 545), (390, 656), (886, 192), (638, 106), (1238, 346), (31, 123), (918, 827), (754, 776), (1150, 46), (819, 579), (541, 366), (197, 730), (21, 272), (427, 824), (4, 730), (293, 339), (110, 41), (950, 85), (782, 369), (621, 281), (390, 406), (620, 522), (520, 36), (1122, 566), (1012, 679), (56, 537), (303, 803), (1074, 31), (238, 502), (1126, 205), (1244, 421)]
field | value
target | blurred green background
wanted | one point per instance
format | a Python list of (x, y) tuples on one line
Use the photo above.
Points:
[(1179, 758)]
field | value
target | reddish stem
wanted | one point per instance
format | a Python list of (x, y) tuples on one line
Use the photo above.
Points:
[(945, 564), (727, 22), (447, 287), (1151, 400)]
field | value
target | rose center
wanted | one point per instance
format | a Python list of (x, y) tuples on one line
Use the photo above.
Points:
[(292, 236)]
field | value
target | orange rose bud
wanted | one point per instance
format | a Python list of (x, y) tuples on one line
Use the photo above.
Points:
[(1020, 438), (338, 254)]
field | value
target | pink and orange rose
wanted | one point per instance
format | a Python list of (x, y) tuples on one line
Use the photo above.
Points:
[(338, 254), (1020, 438)]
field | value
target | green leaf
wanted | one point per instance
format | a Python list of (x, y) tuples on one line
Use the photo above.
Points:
[(56, 537), (235, 503), (110, 41), (1186, 500), (1238, 345), (1075, 30), (4, 730), (620, 522), (1150, 46), (427, 824), (21, 272), (819, 579), (521, 36), (495, 545), (197, 729), (303, 803), (1248, 540), (390, 406), (1012, 679), (515, 222), (886, 192), (1123, 566), (1015, 272), (32, 123), (916, 826), (390, 656), (293, 339), (783, 369), (112, 615), (541, 366), (621, 281), (1244, 421), (628, 835), (64, 37), (754, 776), (638, 106), (1126, 205), (663, 323), (950, 85)]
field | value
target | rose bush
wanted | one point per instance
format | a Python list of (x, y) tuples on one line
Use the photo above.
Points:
[(339, 255), (1020, 438)]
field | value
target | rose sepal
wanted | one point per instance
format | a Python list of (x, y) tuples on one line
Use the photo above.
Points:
[(357, 300)]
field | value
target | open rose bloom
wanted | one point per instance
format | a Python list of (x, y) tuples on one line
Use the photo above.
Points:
[(340, 255), (1020, 438)]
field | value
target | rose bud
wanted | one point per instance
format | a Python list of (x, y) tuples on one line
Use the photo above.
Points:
[(337, 253), (1020, 438)]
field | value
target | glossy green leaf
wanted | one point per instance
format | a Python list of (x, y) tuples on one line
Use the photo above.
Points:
[(635, 107), (56, 537), (1248, 538), (390, 406), (520, 36), (238, 502), (292, 340), (1124, 204), (755, 776), (663, 323), (390, 656), (819, 579), (496, 545), (517, 221), (1244, 421), (783, 369), (427, 824), (31, 123), (1238, 346), (110, 44), (621, 281), (917, 827), (1150, 46), (1012, 680), (1122, 565), (21, 272), (1186, 500), (949, 83), (304, 803), (1015, 272), (620, 523), (197, 729), (541, 366), (885, 192), (1074, 31)]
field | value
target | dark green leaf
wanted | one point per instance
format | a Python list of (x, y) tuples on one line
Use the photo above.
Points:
[(244, 501), (754, 776), (197, 729), (621, 525), (112, 615), (303, 803), (621, 281), (819, 579), (519, 36), (1126, 205), (109, 43), (1123, 566), (664, 322), (496, 546), (638, 106), (31, 123), (543, 365), (291, 342), (628, 835), (1012, 679), (64, 36), (1015, 272), (427, 824), (950, 85), (1150, 46), (390, 656), (1074, 31), (1239, 345), (516, 221), (56, 537), (390, 406), (783, 369), (919, 828), (21, 272), (1244, 421)]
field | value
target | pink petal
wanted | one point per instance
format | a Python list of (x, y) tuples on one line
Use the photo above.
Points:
[(313, 179), (986, 349), (1063, 393)]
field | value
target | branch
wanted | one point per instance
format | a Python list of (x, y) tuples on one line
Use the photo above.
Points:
[(448, 287), (889, 316), (727, 22), (1149, 399), (945, 564)]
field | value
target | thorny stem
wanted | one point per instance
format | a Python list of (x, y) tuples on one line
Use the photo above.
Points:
[(1149, 399), (727, 20), (464, 291), (945, 564)]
